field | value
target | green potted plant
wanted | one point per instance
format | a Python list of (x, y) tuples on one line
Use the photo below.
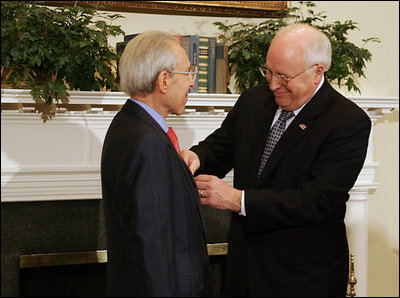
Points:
[(248, 45), (51, 51)]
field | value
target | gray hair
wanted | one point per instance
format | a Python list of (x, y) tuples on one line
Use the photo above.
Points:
[(318, 49), (144, 57)]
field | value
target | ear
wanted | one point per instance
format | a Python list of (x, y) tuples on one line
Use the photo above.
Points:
[(162, 81), (319, 72)]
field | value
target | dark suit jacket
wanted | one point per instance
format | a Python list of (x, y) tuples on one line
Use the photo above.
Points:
[(293, 240), (156, 241)]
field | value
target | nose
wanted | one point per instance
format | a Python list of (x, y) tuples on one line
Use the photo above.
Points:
[(273, 85)]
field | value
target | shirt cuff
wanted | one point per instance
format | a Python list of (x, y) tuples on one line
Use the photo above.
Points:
[(242, 208)]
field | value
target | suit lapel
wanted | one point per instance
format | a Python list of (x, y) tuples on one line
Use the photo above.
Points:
[(192, 183), (300, 126), (292, 135)]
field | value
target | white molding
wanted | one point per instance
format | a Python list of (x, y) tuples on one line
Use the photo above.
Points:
[(23, 184), (23, 96), (204, 113)]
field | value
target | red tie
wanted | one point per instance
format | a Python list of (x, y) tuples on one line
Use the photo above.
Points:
[(171, 134)]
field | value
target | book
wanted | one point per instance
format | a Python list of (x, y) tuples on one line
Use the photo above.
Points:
[(221, 68), (121, 47), (130, 36), (191, 45), (203, 64), (211, 64)]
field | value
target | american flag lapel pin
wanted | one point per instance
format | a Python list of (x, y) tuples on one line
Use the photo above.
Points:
[(303, 126)]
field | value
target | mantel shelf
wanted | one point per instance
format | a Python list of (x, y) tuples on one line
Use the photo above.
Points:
[(15, 99)]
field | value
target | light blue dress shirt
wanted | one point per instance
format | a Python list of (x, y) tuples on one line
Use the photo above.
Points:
[(156, 116)]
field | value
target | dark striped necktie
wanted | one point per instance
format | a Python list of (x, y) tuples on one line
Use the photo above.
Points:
[(274, 135)]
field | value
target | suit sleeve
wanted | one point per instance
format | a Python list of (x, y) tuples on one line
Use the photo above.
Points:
[(152, 218)]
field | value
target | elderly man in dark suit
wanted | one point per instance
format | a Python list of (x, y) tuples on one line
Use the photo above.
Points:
[(156, 240), (296, 147)]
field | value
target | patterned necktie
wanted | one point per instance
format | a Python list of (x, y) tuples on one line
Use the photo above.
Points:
[(273, 137), (172, 136)]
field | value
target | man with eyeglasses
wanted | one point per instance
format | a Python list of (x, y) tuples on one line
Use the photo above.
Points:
[(296, 147), (156, 238)]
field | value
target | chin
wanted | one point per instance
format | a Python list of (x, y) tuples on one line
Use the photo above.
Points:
[(180, 111), (283, 100)]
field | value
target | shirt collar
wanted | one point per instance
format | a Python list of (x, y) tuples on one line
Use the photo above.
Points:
[(156, 116)]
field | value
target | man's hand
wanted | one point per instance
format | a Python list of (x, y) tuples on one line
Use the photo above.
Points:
[(191, 159), (218, 194)]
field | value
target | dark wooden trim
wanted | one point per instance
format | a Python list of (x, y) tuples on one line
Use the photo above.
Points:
[(245, 9)]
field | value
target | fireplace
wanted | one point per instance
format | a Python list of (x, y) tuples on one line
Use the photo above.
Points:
[(84, 274)]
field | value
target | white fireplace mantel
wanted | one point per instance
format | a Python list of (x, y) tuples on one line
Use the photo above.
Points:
[(60, 159)]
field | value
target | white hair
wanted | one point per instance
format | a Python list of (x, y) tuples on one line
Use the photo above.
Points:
[(143, 58), (318, 49)]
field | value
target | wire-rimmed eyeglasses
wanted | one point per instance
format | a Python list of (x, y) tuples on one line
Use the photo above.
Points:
[(193, 71), (280, 78)]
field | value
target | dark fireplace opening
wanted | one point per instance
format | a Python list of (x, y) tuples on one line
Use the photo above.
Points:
[(83, 280), (89, 280)]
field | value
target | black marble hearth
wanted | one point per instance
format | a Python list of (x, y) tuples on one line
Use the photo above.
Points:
[(71, 226)]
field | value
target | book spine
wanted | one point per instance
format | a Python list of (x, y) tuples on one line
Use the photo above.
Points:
[(195, 49), (186, 46), (212, 65), (226, 77), (203, 64), (121, 47), (191, 45), (221, 75)]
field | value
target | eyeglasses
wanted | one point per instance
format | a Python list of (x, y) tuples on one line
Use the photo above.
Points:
[(193, 71), (280, 78)]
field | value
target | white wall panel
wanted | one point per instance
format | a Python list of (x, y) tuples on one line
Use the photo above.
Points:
[(32, 143)]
